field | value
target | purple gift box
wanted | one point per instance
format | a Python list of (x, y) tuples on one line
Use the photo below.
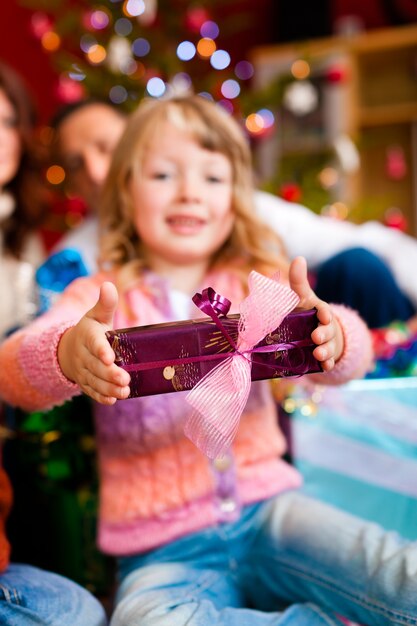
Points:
[(174, 356)]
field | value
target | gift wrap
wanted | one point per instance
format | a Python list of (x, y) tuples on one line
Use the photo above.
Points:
[(163, 358), (356, 446)]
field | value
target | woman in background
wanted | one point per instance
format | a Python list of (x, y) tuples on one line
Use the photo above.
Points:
[(21, 214), (29, 596)]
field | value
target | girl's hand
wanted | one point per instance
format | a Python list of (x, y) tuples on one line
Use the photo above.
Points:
[(328, 335), (86, 357)]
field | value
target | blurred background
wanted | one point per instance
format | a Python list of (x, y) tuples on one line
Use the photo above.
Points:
[(327, 91)]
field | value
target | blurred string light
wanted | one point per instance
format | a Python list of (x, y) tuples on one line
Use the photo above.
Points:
[(244, 70), (134, 8), (227, 105), (181, 83), (206, 47), (99, 19), (55, 174), (118, 37), (220, 59), (141, 47), (300, 69), (259, 123), (118, 94), (76, 73), (230, 89), (96, 54), (155, 87), (86, 42), (50, 41), (186, 51), (123, 27), (209, 29)]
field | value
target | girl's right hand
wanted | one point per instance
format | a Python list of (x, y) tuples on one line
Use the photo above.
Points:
[(86, 357)]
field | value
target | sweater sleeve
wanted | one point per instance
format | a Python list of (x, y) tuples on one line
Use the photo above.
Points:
[(357, 357), (31, 376)]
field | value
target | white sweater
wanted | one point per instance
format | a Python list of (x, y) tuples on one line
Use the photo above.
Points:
[(305, 233)]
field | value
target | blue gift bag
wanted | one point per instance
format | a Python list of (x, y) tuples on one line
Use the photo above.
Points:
[(356, 446)]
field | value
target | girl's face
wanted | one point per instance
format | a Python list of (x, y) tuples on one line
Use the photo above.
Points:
[(182, 200), (10, 144)]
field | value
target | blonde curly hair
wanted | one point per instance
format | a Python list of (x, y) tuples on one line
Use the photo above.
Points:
[(251, 244)]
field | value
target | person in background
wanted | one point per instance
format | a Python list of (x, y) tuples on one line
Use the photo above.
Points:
[(221, 538), (364, 266), (21, 214), (29, 596), (85, 135)]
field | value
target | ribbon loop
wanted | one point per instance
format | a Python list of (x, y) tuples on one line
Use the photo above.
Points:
[(219, 398)]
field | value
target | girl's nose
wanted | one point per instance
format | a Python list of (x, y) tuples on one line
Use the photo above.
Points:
[(190, 187)]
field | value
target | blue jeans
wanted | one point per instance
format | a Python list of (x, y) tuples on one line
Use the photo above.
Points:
[(289, 561), (33, 597)]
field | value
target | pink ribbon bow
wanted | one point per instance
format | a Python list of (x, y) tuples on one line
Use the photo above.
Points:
[(220, 396)]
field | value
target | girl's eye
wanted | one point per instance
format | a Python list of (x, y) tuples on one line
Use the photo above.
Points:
[(214, 179), (160, 175)]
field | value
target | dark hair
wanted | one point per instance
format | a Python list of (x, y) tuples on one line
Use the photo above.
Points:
[(68, 109), (29, 212)]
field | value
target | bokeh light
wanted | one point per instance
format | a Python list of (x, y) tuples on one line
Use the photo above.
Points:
[(99, 19), (206, 47), (300, 69), (123, 27), (55, 174), (230, 89), (155, 87), (118, 94), (328, 177), (141, 47), (244, 70), (186, 50), (40, 24), (220, 59), (181, 82), (96, 54), (209, 29), (51, 41), (76, 73), (254, 123), (206, 95), (133, 8), (268, 117), (86, 42), (226, 105)]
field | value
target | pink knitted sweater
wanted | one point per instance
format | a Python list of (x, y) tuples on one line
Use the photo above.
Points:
[(155, 484)]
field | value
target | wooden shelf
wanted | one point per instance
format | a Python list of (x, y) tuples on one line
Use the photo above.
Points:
[(375, 103), (385, 115)]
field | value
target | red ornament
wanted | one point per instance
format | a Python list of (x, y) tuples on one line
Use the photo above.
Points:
[(195, 18), (69, 90), (336, 74), (40, 23), (395, 218), (396, 164), (291, 192)]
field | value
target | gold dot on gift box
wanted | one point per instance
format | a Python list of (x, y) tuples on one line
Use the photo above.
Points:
[(169, 372)]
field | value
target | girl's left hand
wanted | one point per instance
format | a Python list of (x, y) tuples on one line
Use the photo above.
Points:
[(328, 335)]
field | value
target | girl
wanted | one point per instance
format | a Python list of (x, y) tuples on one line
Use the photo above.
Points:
[(228, 541)]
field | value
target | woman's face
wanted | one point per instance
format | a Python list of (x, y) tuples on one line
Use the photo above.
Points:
[(10, 143)]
